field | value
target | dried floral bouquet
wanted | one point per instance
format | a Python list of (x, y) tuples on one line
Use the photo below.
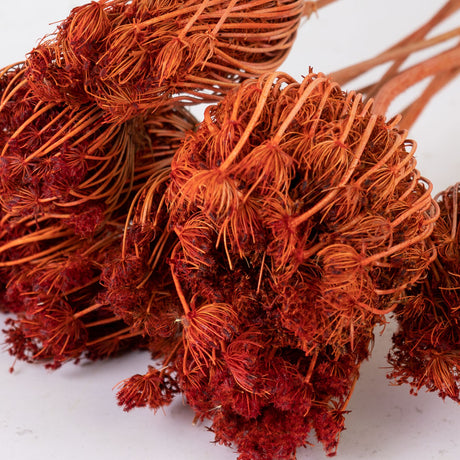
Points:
[(252, 253)]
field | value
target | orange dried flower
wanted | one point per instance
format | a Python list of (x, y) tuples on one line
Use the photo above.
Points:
[(301, 219), (130, 56), (57, 277), (426, 349)]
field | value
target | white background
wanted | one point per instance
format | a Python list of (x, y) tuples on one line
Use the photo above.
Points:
[(72, 413)]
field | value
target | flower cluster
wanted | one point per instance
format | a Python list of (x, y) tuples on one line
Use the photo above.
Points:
[(253, 253), (62, 163), (68, 182), (426, 350), (300, 219), (129, 56)]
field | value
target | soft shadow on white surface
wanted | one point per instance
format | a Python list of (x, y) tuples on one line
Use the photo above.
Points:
[(72, 413)]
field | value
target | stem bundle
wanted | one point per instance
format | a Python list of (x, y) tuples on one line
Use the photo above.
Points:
[(439, 69)]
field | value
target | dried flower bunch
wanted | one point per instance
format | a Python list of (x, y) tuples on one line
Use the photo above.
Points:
[(253, 254), (426, 351), (62, 163), (129, 56), (300, 220), (64, 174)]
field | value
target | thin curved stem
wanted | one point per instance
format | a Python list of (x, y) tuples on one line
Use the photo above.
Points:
[(179, 291)]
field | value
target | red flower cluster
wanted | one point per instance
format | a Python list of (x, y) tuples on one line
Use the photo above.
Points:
[(67, 183), (300, 220), (426, 350)]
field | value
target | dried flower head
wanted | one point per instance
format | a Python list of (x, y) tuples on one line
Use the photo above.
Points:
[(56, 276), (426, 347), (62, 163), (130, 56), (155, 389), (300, 220)]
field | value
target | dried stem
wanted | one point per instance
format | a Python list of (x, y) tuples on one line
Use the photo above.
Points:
[(444, 62)]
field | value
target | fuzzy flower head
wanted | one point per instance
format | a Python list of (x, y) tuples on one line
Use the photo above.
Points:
[(304, 212)]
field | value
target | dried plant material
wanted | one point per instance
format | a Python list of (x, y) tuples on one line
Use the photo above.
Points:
[(426, 350), (59, 281), (301, 220), (61, 313), (438, 69), (130, 56), (258, 260), (154, 389), (137, 281), (73, 305), (62, 163)]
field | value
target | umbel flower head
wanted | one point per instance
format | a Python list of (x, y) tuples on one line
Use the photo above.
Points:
[(129, 56), (64, 175), (301, 219), (55, 249), (62, 163), (426, 347)]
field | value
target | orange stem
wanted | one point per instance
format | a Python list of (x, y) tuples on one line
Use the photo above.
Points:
[(411, 113), (343, 76), (87, 310), (179, 290), (444, 62)]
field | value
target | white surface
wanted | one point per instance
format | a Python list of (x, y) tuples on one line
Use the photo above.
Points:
[(72, 414)]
